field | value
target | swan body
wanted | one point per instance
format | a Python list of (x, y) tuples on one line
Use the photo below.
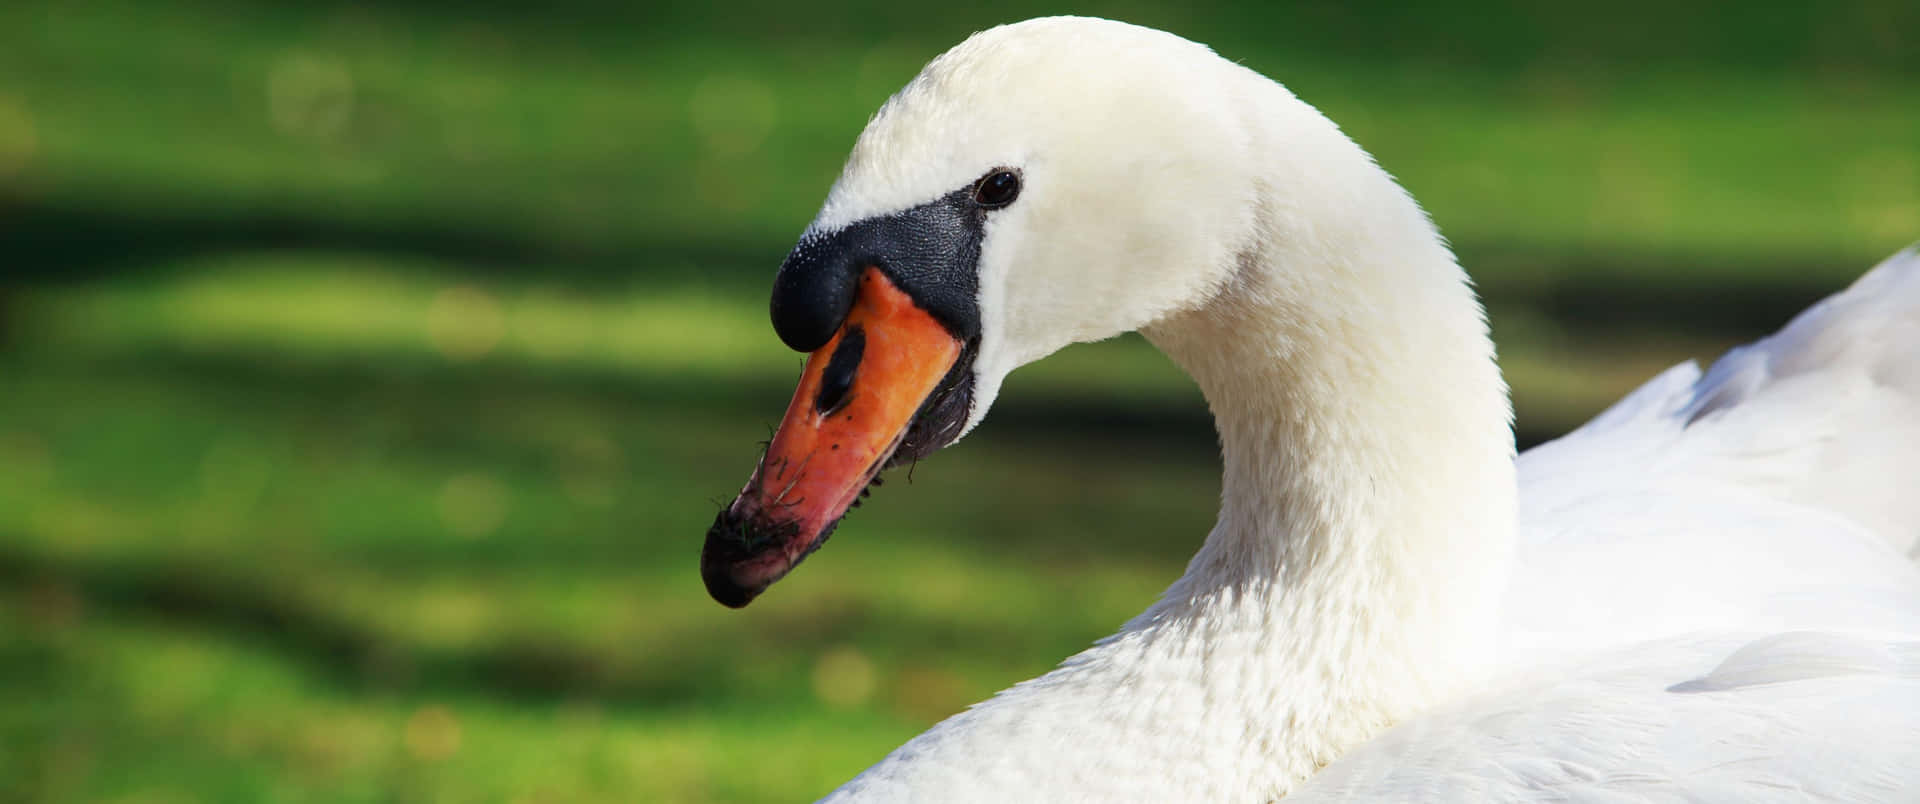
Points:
[(1708, 592)]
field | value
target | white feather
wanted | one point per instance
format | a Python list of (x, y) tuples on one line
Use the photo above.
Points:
[(1790, 717)]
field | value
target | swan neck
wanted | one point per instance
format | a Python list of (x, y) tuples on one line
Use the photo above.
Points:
[(1368, 492)]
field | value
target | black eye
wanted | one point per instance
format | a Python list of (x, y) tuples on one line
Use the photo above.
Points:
[(997, 190)]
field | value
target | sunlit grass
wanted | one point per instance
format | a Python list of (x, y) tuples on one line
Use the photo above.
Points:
[(304, 305)]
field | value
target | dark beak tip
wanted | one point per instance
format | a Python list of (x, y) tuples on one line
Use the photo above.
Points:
[(725, 549), (723, 589), (716, 570)]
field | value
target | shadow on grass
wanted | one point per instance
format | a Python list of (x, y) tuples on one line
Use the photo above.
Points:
[(55, 243), (697, 659), (259, 609), (1609, 295)]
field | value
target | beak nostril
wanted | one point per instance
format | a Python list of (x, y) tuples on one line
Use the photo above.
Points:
[(837, 379)]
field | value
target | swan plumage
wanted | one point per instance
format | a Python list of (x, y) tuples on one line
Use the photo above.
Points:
[(1708, 592), (1773, 490), (1645, 675)]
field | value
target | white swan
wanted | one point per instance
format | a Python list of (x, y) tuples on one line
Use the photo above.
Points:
[(1704, 594)]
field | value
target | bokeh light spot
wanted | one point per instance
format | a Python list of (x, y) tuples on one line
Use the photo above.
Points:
[(465, 323), (433, 733), (844, 677), (473, 505)]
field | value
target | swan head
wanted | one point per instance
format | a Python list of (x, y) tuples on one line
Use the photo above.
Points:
[(1043, 183)]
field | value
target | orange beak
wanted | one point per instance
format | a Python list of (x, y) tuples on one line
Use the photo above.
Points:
[(858, 397)]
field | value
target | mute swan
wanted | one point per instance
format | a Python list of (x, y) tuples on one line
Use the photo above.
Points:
[(1706, 593)]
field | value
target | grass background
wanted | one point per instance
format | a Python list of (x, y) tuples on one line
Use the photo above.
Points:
[(369, 373)]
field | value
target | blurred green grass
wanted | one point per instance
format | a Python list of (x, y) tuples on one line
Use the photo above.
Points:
[(369, 374)]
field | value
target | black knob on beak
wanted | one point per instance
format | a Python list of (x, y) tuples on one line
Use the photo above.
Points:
[(813, 292)]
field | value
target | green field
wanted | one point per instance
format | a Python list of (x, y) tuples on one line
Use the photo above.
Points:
[(369, 374)]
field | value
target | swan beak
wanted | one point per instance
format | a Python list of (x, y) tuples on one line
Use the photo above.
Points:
[(857, 399)]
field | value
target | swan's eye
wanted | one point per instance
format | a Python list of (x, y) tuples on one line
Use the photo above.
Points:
[(997, 190)]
